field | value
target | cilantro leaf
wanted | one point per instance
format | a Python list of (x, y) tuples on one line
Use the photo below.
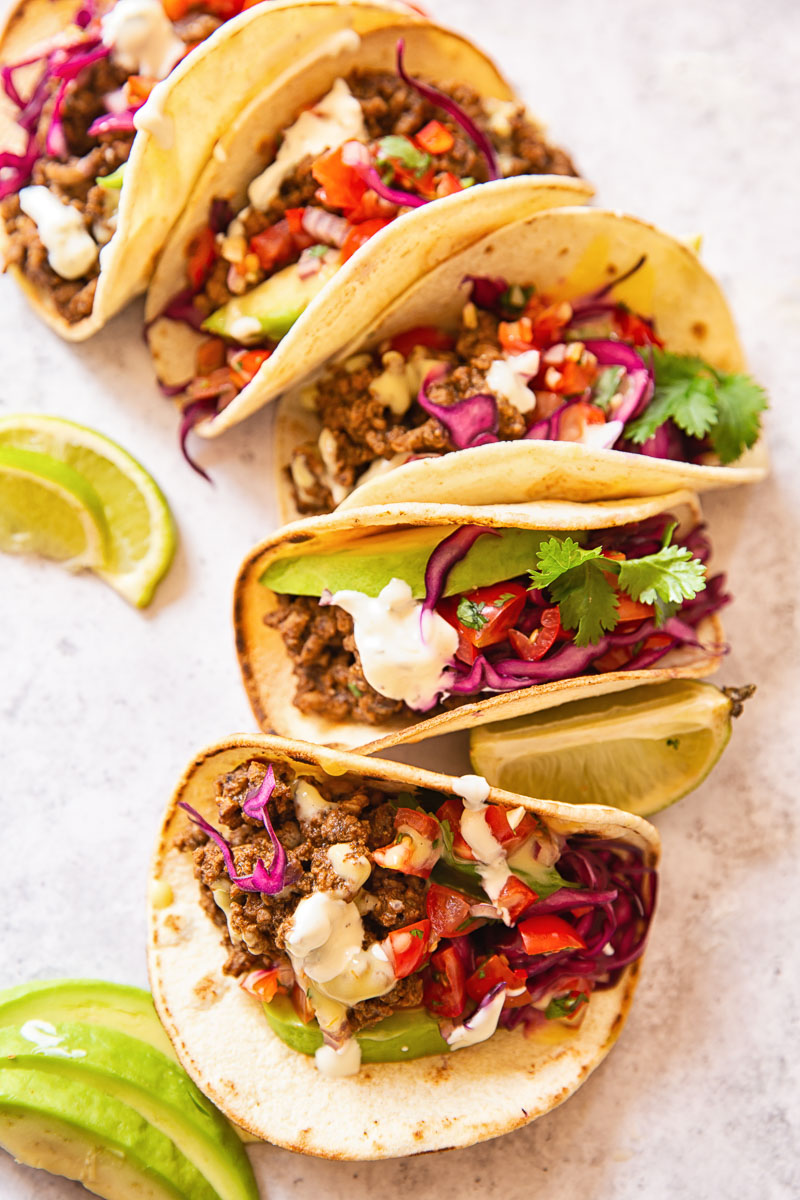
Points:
[(470, 613), (565, 1006), (557, 555), (740, 400), (607, 386), (703, 403), (402, 150), (671, 575), (587, 602)]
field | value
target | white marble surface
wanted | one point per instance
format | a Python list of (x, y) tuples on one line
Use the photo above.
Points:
[(684, 113)]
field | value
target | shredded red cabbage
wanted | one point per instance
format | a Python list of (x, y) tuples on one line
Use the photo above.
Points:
[(395, 195), (641, 381), (268, 880), (220, 215), (470, 422), (121, 122), (448, 105), (486, 291), (445, 556), (192, 415)]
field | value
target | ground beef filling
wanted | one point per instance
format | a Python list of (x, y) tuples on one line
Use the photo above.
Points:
[(390, 107), (363, 816), (72, 178), (361, 427)]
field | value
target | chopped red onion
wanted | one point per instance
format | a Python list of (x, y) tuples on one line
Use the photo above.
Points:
[(220, 216), (119, 122), (448, 105), (324, 226)]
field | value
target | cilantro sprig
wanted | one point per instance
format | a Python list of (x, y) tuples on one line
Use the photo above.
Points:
[(402, 150), (724, 407), (582, 583)]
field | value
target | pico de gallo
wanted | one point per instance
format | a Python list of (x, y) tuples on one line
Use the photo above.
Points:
[(376, 145), (380, 923), (521, 366), (547, 607), (76, 99)]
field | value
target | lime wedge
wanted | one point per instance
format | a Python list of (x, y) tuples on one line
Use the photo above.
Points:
[(140, 525), (639, 750), (47, 508)]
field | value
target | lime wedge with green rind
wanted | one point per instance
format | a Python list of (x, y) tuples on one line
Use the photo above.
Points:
[(638, 750), (48, 508), (142, 534)]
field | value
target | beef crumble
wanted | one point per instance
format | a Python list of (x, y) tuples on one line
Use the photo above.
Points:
[(255, 928), (360, 427)]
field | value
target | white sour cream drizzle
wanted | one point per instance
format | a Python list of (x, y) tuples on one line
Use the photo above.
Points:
[(491, 864), (336, 119), (338, 1064), (71, 250), (508, 378), (480, 1027), (142, 38), (324, 944), (402, 657)]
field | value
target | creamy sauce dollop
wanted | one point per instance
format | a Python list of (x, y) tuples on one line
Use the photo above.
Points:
[(71, 250), (142, 38)]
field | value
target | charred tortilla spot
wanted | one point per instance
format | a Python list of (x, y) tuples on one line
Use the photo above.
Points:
[(207, 989), (699, 330)]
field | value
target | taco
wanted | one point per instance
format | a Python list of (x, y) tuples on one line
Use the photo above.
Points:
[(388, 961), (377, 626), (576, 355), (106, 125), (239, 308)]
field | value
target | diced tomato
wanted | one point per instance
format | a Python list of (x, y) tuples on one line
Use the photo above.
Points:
[(546, 404), (407, 948), (632, 610), (448, 184), (294, 217), (516, 336), (408, 180), (138, 88), (223, 8), (361, 233), (264, 985), (451, 812), (510, 839), (341, 183), (175, 9), (275, 246), (515, 897), (417, 846), (301, 1005), (448, 911), (200, 256), (427, 336), (548, 934), (613, 660), (536, 646), (494, 609), (466, 652), (245, 365), (574, 420), (493, 971), (445, 993), (635, 329), (210, 356), (657, 641), (570, 379), (435, 138), (549, 320)]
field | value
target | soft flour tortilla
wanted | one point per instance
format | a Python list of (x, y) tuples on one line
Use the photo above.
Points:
[(267, 666), (418, 242), (565, 253), (389, 1109), (201, 98)]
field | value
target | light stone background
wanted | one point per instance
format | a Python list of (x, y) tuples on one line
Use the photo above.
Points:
[(685, 113)]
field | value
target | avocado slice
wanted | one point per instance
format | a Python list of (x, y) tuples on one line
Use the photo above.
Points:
[(128, 1070), (77, 1131), (366, 564), (114, 1005), (410, 1033), (271, 309)]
